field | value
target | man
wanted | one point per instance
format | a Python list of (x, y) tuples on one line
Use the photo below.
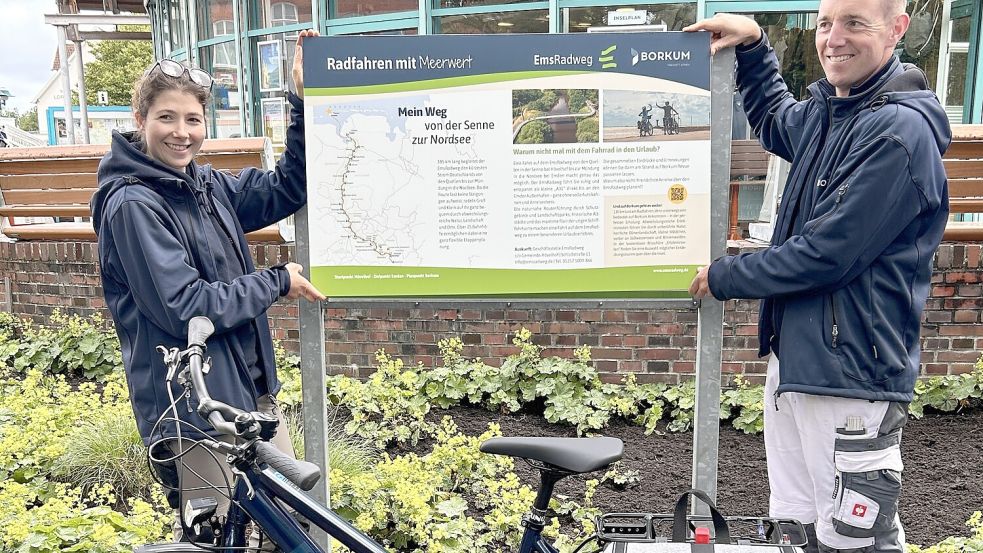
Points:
[(667, 113), (844, 282)]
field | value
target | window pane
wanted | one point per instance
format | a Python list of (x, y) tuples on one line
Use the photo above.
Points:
[(272, 61), (225, 105), (468, 3), (961, 29), (920, 44), (214, 18), (532, 21), (349, 8), (675, 16), (411, 31), (277, 13), (793, 36), (177, 20), (956, 87)]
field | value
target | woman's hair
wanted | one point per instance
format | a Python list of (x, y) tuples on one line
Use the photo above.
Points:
[(154, 82)]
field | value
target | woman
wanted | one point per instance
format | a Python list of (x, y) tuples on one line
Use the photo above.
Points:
[(172, 246)]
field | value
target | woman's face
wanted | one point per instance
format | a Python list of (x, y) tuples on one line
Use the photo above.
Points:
[(174, 128)]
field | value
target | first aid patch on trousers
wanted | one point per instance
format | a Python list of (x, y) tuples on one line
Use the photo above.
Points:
[(858, 510)]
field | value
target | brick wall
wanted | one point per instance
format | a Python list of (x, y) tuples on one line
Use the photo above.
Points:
[(657, 345)]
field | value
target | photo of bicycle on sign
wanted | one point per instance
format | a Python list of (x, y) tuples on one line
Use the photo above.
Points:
[(650, 116)]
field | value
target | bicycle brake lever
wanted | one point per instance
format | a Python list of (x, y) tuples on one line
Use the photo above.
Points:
[(250, 492)]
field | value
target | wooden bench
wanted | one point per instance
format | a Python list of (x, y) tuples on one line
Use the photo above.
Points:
[(59, 181), (964, 168), (748, 166)]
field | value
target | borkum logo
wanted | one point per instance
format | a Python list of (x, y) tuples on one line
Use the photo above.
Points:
[(678, 55), (607, 57)]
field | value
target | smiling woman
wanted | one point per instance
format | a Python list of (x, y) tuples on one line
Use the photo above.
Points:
[(172, 246)]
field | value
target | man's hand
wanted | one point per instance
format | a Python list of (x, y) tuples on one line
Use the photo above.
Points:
[(298, 70), (700, 287), (728, 30), (300, 287)]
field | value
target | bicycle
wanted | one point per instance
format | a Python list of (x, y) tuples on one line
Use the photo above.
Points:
[(266, 480), (670, 125)]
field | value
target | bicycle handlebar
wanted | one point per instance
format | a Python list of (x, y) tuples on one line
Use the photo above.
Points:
[(219, 415)]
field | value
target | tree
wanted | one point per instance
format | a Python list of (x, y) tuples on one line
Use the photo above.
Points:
[(28, 121), (534, 132), (117, 65)]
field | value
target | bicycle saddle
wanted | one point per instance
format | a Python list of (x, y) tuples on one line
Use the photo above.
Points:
[(576, 455)]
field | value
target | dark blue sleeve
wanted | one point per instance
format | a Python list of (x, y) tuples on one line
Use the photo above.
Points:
[(261, 198), (862, 218), (168, 290), (770, 107)]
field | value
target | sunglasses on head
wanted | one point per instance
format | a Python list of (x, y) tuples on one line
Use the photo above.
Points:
[(176, 69)]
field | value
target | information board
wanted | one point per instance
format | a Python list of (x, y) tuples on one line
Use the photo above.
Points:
[(508, 165)]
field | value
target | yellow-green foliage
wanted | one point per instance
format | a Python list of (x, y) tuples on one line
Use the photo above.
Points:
[(37, 416), (386, 408), (59, 518), (417, 503), (961, 544)]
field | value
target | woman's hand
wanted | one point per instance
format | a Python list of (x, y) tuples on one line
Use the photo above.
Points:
[(300, 287), (298, 70)]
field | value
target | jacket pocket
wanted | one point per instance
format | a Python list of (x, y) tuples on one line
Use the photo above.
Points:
[(868, 484)]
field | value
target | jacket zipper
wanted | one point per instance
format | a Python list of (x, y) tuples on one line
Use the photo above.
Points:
[(832, 300)]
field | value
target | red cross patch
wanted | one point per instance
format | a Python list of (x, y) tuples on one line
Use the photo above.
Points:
[(859, 510)]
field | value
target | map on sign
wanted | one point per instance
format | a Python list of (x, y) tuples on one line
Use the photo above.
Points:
[(370, 192)]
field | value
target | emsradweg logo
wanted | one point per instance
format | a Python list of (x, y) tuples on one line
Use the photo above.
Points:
[(607, 57)]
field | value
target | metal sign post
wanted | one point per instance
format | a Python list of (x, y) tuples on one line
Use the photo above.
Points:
[(709, 341)]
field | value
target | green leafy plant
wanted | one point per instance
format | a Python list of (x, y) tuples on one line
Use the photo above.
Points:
[(347, 454), (387, 407), (947, 393), (107, 449), (621, 478), (958, 544), (67, 519), (744, 405), (68, 344)]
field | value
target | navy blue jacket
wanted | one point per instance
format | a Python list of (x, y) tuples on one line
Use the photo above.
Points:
[(846, 277), (159, 268)]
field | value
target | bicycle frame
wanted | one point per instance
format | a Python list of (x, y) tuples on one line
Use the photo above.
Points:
[(253, 498)]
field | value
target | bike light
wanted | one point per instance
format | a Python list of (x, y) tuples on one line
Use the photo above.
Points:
[(199, 510)]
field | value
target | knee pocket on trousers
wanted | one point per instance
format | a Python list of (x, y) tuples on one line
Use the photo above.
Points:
[(868, 484)]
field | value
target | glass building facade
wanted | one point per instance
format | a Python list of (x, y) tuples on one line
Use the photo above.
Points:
[(248, 44)]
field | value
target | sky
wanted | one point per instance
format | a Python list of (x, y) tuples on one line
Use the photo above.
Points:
[(27, 49)]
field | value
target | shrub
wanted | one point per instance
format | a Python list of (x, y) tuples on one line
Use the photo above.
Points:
[(69, 344), (63, 518), (107, 449)]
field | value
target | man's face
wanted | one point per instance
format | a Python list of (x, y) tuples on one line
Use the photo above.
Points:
[(855, 38)]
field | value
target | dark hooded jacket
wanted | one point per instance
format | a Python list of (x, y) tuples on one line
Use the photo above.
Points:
[(845, 280), (172, 247)]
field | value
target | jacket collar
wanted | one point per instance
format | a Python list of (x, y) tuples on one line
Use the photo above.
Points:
[(860, 95)]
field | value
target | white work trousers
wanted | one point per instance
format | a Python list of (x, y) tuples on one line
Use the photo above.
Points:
[(843, 477)]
